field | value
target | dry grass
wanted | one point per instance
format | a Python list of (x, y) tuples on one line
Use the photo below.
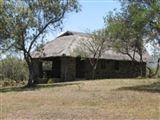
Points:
[(100, 99)]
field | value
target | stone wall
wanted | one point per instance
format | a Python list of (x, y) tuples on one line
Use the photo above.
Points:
[(114, 69), (70, 69), (119, 69)]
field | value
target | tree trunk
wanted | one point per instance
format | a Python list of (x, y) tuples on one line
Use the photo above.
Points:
[(29, 61), (141, 69), (32, 77), (150, 72), (31, 80), (93, 72), (157, 69), (141, 66)]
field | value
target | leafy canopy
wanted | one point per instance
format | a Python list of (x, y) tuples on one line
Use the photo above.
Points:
[(25, 22)]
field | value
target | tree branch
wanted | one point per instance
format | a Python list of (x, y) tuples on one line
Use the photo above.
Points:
[(45, 27)]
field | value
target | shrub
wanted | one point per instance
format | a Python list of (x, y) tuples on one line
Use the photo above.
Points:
[(14, 69)]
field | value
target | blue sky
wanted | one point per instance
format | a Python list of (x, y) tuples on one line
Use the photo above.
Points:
[(89, 18)]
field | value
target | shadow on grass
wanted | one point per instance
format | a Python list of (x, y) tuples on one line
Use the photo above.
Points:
[(20, 89), (154, 88)]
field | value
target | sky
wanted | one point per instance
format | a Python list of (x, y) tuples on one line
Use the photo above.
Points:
[(90, 17)]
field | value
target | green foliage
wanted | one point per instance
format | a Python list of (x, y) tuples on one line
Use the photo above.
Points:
[(145, 14), (125, 36), (50, 81), (13, 68), (135, 25), (25, 22)]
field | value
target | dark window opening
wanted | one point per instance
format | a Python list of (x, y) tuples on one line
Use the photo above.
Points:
[(80, 68), (47, 69), (47, 65), (116, 65), (51, 68)]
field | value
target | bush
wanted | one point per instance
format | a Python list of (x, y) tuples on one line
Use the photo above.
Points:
[(13, 68), (10, 83), (50, 81)]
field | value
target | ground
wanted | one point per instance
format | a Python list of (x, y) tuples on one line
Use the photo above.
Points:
[(113, 99)]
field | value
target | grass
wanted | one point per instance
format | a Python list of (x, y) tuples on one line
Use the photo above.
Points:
[(122, 99)]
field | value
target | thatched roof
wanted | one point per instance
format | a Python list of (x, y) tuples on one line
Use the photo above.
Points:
[(66, 43)]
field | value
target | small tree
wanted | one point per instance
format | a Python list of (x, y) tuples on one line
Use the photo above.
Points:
[(25, 22), (92, 48), (127, 37), (145, 16)]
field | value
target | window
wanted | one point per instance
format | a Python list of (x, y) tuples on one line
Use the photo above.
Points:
[(47, 65), (116, 65)]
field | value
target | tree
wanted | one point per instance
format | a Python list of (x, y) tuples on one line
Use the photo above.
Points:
[(26, 22), (121, 35), (146, 13), (92, 48), (125, 37), (135, 25)]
